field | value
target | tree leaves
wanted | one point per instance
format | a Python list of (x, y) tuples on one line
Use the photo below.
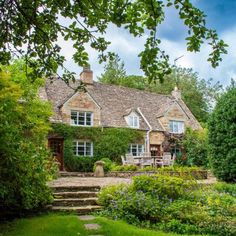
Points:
[(32, 29)]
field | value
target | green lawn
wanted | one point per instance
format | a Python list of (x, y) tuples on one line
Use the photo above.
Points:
[(70, 225)]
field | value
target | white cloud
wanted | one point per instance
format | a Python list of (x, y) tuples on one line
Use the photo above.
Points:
[(129, 47)]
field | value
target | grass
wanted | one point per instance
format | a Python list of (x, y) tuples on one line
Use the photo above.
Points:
[(70, 225)]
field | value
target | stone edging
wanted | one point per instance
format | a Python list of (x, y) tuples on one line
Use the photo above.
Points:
[(128, 174)]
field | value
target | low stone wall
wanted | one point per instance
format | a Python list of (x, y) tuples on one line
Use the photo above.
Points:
[(128, 174)]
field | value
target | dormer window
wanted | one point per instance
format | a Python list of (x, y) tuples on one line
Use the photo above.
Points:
[(133, 120), (176, 127), (81, 118)]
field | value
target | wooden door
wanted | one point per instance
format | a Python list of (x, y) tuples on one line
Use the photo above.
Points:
[(56, 147), (155, 150)]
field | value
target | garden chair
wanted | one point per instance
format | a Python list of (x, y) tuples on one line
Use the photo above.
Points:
[(124, 162), (130, 159), (146, 159), (167, 159)]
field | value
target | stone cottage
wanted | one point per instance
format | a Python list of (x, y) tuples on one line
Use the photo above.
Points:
[(104, 105)]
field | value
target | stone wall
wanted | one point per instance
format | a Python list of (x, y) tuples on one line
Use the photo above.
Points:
[(174, 113), (157, 137), (81, 102)]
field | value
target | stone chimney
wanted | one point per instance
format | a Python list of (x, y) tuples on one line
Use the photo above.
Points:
[(86, 75), (176, 93)]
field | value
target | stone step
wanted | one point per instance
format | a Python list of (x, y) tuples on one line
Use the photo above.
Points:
[(75, 174), (57, 189), (75, 202), (79, 210), (80, 194)]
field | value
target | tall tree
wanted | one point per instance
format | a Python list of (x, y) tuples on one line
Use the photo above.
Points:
[(114, 71), (32, 29), (222, 136), (24, 158)]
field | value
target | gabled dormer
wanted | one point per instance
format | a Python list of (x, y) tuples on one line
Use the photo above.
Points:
[(133, 120)]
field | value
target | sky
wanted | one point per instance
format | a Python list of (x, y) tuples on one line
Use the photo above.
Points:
[(220, 16)]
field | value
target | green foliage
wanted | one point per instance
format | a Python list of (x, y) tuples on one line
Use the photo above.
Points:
[(165, 187), (113, 72), (185, 208), (196, 147), (37, 24), (24, 123), (222, 187), (108, 164), (222, 138), (111, 143), (80, 163), (125, 168)]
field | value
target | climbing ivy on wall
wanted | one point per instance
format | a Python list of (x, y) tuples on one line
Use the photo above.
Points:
[(108, 142)]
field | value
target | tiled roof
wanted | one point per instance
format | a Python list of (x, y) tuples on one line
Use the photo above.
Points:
[(116, 102)]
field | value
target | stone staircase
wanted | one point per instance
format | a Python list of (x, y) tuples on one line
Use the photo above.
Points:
[(78, 199)]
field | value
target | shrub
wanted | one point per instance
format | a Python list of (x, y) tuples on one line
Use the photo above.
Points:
[(24, 124), (125, 168), (226, 188), (171, 204), (222, 139), (163, 187), (80, 163), (195, 145), (108, 164)]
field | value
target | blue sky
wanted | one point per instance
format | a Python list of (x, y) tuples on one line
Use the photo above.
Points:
[(221, 15)]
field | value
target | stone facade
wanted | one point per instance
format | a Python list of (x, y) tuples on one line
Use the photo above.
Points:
[(156, 137), (176, 113), (81, 101)]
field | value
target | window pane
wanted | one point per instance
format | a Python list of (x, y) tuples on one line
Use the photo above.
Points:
[(140, 149), (80, 148), (74, 117), (81, 118), (135, 121), (134, 149), (88, 149), (171, 126), (88, 118)]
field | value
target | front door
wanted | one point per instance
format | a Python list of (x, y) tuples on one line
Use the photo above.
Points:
[(155, 150), (56, 147)]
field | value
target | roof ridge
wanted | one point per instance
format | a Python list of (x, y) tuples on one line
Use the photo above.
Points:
[(139, 90)]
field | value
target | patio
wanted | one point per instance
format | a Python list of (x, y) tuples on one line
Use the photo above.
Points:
[(146, 159)]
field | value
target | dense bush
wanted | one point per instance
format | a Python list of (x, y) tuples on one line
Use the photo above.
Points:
[(80, 163), (125, 168), (171, 204), (222, 137), (195, 145), (25, 165)]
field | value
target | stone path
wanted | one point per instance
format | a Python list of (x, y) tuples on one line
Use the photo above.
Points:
[(90, 226), (88, 181)]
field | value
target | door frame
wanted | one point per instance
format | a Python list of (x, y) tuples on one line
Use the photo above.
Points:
[(50, 139)]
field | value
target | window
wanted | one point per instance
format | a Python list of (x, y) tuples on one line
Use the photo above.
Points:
[(83, 148), (133, 121), (136, 149), (176, 127), (81, 118)]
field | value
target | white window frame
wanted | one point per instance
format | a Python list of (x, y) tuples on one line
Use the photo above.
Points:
[(85, 113), (133, 121), (138, 147), (176, 126), (85, 144)]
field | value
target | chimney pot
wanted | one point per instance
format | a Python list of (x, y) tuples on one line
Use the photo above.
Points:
[(86, 76), (176, 93)]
